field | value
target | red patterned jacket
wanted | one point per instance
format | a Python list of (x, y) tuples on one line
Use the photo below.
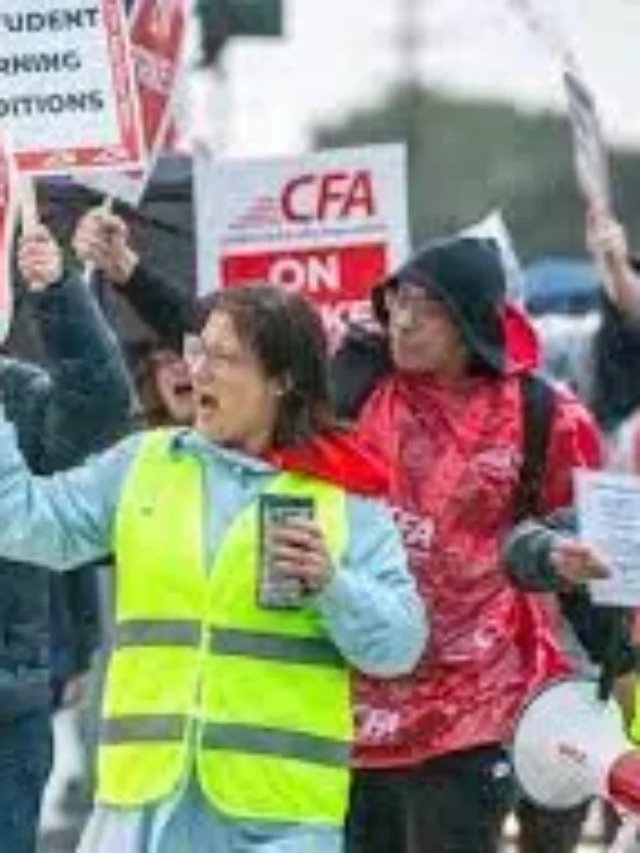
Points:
[(455, 451)]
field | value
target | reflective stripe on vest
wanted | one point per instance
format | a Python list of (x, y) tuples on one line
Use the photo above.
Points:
[(255, 644), (249, 739), (265, 692)]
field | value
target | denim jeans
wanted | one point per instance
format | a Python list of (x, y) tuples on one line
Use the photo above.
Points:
[(26, 754)]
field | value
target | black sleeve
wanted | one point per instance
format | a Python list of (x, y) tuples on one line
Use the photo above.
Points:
[(85, 403), (616, 390), (526, 552), (75, 621), (84, 605), (169, 311), (603, 632)]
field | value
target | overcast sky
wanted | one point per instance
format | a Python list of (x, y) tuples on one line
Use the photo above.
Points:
[(340, 53)]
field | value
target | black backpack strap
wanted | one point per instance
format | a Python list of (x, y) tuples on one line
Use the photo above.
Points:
[(538, 402)]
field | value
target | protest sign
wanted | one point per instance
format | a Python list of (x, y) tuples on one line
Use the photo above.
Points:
[(544, 28), (608, 507), (67, 96), (329, 225), (589, 150), (590, 153), (157, 33), (8, 208), (493, 227)]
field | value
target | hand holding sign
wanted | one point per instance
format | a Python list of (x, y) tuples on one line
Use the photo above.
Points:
[(576, 562), (590, 152), (606, 237), (101, 242), (39, 258), (607, 243)]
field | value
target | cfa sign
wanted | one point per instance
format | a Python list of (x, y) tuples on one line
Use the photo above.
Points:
[(331, 195), (312, 274), (326, 274), (328, 225)]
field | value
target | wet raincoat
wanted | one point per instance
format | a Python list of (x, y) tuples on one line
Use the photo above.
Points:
[(455, 452)]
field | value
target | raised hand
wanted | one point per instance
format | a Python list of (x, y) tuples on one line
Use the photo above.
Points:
[(39, 258), (101, 240)]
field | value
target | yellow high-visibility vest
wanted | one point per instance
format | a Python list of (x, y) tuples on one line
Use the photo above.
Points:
[(260, 698), (633, 727)]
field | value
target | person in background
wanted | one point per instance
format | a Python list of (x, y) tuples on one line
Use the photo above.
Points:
[(546, 556), (599, 356), (76, 633), (160, 373), (244, 742), (78, 404), (442, 390)]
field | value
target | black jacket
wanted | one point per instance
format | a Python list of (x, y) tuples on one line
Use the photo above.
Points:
[(75, 406), (360, 362), (169, 311), (616, 356)]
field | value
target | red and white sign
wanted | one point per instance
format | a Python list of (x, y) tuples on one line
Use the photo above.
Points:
[(67, 93), (589, 147), (8, 214), (157, 33), (328, 225)]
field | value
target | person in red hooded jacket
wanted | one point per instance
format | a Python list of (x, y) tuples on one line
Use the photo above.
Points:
[(440, 392)]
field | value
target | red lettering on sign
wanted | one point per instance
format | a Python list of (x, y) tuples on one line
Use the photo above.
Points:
[(327, 275), (334, 195), (289, 196), (361, 197)]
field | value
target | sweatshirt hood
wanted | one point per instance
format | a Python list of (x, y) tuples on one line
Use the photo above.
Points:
[(467, 275)]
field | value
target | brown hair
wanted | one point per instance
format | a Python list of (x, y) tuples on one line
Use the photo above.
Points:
[(152, 411), (285, 334)]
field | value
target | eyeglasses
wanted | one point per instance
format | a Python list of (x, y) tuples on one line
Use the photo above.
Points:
[(413, 307), (199, 355)]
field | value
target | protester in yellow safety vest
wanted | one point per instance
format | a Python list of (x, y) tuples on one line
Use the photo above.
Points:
[(227, 715)]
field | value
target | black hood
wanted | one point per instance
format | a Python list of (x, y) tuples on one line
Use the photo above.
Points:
[(467, 275)]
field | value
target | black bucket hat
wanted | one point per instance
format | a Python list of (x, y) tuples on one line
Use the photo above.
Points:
[(467, 275)]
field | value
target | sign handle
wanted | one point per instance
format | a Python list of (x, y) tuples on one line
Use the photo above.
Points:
[(29, 202)]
